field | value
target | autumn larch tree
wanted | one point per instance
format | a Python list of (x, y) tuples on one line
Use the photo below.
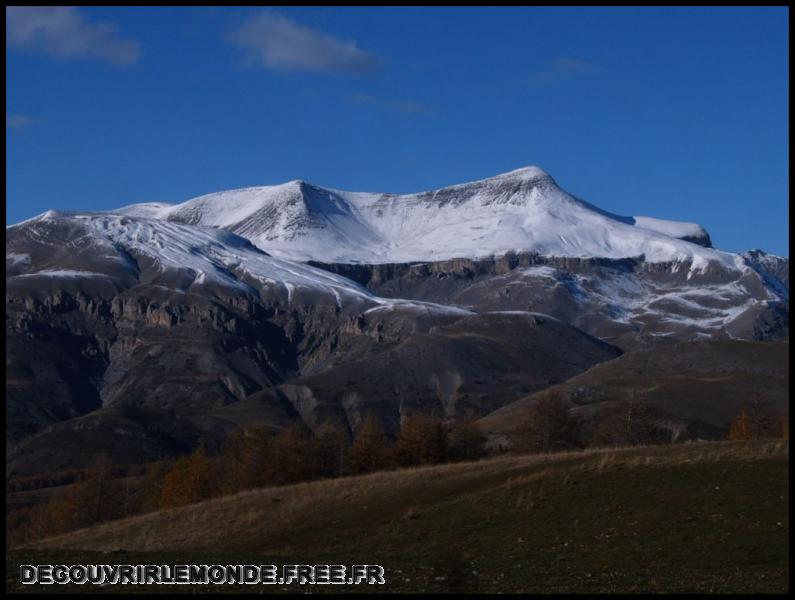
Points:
[(740, 428), (422, 440), (370, 448), (783, 426), (187, 481), (152, 486), (331, 447), (242, 462), (755, 421), (293, 458), (466, 441)]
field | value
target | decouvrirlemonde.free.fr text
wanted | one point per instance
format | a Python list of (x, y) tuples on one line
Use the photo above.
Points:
[(201, 574)]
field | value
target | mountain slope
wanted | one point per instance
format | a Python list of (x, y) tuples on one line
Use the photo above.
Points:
[(135, 336), (695, 389), (467, 368)]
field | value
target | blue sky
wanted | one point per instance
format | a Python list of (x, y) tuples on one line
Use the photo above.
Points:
[(678, 113)]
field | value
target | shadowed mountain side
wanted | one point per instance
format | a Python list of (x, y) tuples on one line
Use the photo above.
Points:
[(136, 338), (460, 371), (695, 389)]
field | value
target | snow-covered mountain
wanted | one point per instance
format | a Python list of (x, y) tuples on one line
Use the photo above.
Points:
[(56, 247), (516, 241), (460, 299), (523, 210)]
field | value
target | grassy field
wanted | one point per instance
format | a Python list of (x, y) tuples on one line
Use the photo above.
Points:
[(710, 517)]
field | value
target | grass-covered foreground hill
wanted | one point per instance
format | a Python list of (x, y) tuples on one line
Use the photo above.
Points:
[(710, 517)]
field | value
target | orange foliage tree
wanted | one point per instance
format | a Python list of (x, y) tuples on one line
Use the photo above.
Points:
[(422, 441), (187, 481), (369, 451), (740, 428)]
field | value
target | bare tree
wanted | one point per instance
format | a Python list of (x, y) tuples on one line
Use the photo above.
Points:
[(550, 425), (630, 422)]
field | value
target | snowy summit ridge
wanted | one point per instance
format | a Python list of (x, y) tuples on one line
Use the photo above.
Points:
[(520, 211)]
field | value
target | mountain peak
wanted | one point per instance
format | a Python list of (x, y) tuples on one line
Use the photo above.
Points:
[(524, 173)]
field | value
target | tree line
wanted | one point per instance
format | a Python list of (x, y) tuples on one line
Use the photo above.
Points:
[(254, 457), (756, 420), (248, 459), (552, 425)]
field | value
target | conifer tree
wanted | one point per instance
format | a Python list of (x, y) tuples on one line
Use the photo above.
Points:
[(466, 441), (422, 440), (187, 481), (293, 456), (174, 491), (332, 447), (198, 475), (369, 451), (152, 486)]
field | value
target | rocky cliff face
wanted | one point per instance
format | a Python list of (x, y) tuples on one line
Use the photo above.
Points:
[(630, 302)]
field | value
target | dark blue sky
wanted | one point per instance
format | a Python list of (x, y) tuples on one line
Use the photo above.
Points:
[(678, 113)]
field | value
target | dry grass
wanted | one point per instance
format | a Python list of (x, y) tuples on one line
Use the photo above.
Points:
[(274, 519), (700, 518)]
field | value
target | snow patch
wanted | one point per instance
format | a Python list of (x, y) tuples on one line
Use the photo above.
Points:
[(676, 229), (62, 273)]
